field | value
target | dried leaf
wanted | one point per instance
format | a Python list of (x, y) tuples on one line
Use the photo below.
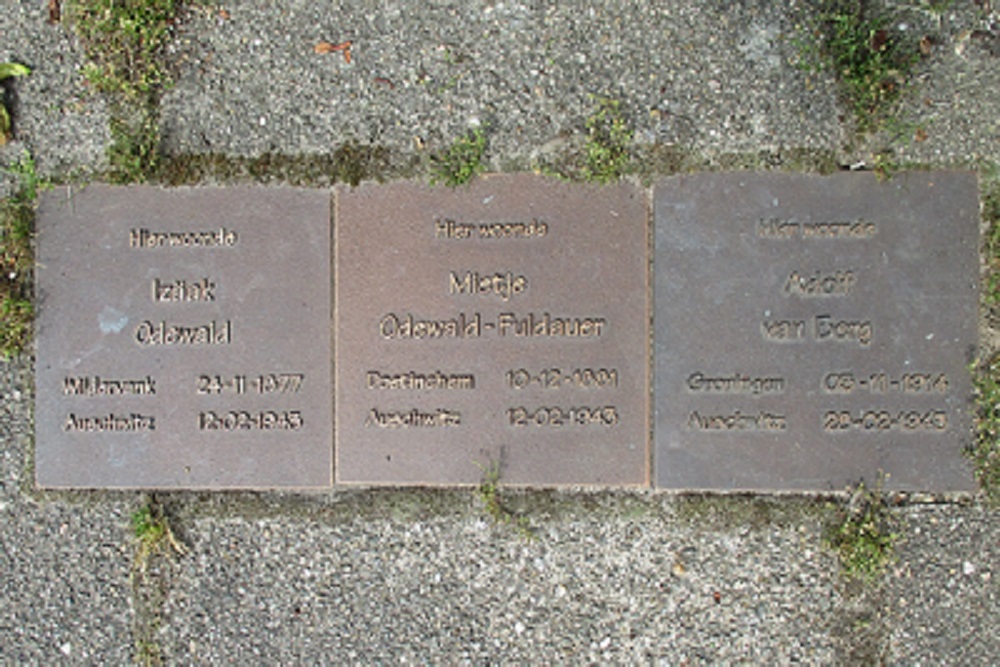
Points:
[(926, 45), (920, 134), (55, 11), (4, 126), (327, 47)]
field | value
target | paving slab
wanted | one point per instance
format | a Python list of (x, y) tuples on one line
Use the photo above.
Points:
[(66, 597), (814, 331), (943, 594), (706, 77), (616, 582), (62, 123), (183, 338), (951, 112), (503, 323), (65, 566)]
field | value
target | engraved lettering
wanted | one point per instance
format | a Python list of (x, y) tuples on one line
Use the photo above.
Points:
[(783, 330), (98, 386), (879, 383), (852, 229), (826, 328), (449, 229), (517, 230), (413, 419), (779, 229), (446, 228), (417, 381), (109, 422), (876, 420), (776, 228), (557, 378), (737, 421), (180, 291), (820, 284), (394, 326), (546, 325), (143, 238), (150, 334), (504, 285), (559, 417), (244, 420), (735, 384)]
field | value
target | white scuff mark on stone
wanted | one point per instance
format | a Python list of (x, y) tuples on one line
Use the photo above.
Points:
[(111, 320)]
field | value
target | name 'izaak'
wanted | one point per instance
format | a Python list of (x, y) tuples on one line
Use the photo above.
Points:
[(183, 291)]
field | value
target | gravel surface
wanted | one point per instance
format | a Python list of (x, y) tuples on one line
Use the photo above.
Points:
[(703, 75), (57, 118), (944, 592), (612, 579), (64, 563)]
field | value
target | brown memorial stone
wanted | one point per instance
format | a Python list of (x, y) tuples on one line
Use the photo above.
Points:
[(503, 323), (183, 338), (814, 331)]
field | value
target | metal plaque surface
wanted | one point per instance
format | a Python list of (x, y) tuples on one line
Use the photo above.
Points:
[(814, 331), (498, 325), (183, 338)]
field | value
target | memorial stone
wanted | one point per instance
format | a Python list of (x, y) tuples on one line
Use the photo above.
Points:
[(183, 338), (814, 331), (504, 323)]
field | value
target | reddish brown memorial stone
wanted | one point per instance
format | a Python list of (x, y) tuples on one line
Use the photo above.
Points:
[(503, 323), (813, 331), (183, 338)]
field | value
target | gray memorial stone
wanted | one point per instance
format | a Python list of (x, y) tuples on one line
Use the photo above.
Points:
[(183, 338), (502, 323), (812, 331)]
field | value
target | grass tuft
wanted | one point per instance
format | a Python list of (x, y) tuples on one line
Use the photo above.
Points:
[(985, 449), (17, 221), (125, 43), (862, 535), (153, 535), (124, 40), (460, 162), (609, 138), (489, 494), (869, 55)]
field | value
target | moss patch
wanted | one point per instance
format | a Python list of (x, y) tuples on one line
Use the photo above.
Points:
[(726, 512), (349, 163), (125, 43), (985, 449)]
